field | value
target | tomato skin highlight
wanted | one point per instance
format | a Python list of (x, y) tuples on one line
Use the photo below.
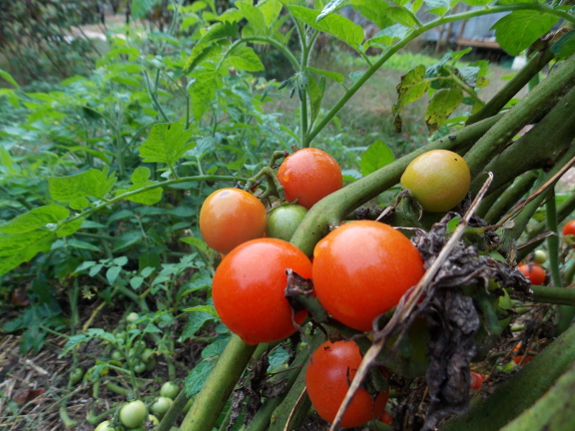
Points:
[(438, 179), (330, 371), (535, 274), (248, 289), (362, 269), (309, 175), (230, 217)]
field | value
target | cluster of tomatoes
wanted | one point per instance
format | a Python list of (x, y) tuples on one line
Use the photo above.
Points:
[(360, 270)]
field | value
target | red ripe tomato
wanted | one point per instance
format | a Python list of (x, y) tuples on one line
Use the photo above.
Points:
[(535, 274), (569, 229), (230, 217), (386, 418), (248, 289), (477, 380), (329, 373), (309, 175), (362, 269)]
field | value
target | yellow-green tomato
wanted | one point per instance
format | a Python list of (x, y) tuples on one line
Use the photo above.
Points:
[(161, 406), (539, 257), (104, 426), (170, 390), (438, 179), (154, 420), (133, 414), (132, 317), (284, 220)]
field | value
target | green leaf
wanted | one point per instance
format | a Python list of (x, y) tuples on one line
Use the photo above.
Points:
[(20, 248), (244, 58), (388, 35), (197, 377), (316, 92), (92, 183), (201, 54), (8, 78), (401, 16), (140, 178), (112, 274), (438, 7), (441, 107), (35, 219), (254, 16), (127, 239), (518, 30), (565, 46), (217, 347), (271, 10), (336, 25), (196, 320), (477, 2), (167, 143), (375, 157), (69, 227), (413, 85), (337, 77), (373, 10), (203, 90), (329, 8), (140, 8), (72, 342), (73, 242)]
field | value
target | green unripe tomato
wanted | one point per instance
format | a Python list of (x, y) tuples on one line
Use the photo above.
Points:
[(284, 220), (438, 179), (132, 317), (151, 364), (133, 414), (117, 355), (104, 426), (170, 390), (139, 368), (76, 375), (161, 406), (147, 355), (154, 420), (539, 257)]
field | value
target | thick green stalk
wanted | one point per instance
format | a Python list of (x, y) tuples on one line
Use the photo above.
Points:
[(510, 197), (533, 106), (518, 393), (554, 411), (330, 210), (553, 241), (553, 295), (220, 384), (553, 133), (489, 201), (524, 76)]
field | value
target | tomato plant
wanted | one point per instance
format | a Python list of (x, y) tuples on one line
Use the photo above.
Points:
[(534, 273), (133, 414), (362, 269), (329, 372), (248, 289), (309, 175), (438, 179), (229, 217), (569, 232), (284, 220)]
